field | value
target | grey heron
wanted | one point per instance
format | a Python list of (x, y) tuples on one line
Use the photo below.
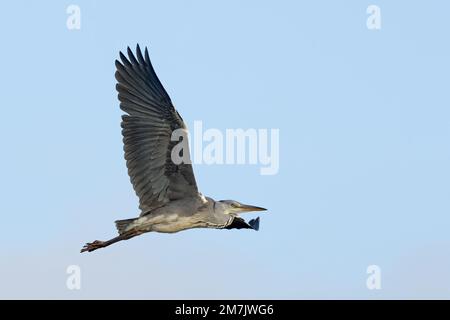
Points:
[(169, 199)]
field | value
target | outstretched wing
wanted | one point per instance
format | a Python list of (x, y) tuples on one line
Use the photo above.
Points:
[(239, 223), (147, 129)]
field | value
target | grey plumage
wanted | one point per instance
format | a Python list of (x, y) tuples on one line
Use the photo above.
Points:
[(146, 134), (169, 199)]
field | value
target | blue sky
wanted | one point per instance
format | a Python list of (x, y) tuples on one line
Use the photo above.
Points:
[(364, 124)]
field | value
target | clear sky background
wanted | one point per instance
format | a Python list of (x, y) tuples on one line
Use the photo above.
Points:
[(364, 120)]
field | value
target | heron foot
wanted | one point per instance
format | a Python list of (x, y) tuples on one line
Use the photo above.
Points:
[(91, 246)]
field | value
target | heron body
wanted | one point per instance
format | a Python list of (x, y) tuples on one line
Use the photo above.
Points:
[(181, 215), (168, 195)]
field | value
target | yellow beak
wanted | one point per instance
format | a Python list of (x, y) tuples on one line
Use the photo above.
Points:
[(246, 207)]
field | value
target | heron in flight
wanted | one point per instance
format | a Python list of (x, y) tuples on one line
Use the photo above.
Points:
[(169, 199)]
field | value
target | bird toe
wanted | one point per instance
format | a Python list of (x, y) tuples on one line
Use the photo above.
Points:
[(91, 246)]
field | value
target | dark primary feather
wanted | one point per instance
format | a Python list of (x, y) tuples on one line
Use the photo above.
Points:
[(239, 223), (147, 128)]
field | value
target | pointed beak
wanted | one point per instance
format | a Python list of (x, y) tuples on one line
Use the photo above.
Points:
[(247, 207)]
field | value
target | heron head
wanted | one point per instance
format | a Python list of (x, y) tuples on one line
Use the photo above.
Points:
[(234, 207)]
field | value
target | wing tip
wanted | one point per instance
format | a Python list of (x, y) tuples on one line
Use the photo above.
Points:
[(254, 223)]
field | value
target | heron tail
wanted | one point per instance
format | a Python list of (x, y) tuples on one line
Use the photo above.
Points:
[(122, 225)]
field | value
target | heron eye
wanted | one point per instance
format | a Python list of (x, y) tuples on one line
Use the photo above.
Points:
[(234, 205)]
